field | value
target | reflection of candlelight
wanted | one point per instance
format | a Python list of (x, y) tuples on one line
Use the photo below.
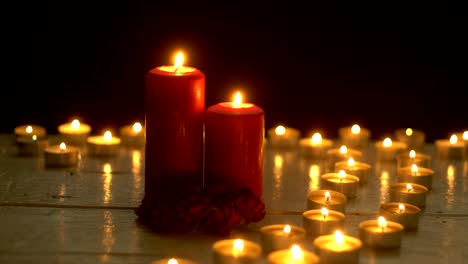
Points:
[(383, 185), (107, 169), (451, 185), (314, 174)]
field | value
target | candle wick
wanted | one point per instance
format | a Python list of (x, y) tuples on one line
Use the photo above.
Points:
[(324, 217), (176, 69), (383, 228)]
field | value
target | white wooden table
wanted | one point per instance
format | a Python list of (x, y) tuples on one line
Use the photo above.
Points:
[(86, 214)]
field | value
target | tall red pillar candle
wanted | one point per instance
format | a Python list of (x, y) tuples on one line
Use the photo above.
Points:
[(234, 138), (174, 114)]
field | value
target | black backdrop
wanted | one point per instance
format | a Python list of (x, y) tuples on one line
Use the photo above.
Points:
[(309, 65)]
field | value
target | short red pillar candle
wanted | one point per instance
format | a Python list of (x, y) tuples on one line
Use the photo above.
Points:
[(234, 138), (174, 113)]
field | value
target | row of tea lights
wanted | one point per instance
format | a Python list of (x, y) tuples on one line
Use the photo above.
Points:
[(325, 215), (357, 137), (33, 140)]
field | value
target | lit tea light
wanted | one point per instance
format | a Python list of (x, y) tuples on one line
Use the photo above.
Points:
[(240, 251), (388, 150), (330, 199), (410, 193), (451, 148), (323, 221), (342, 182), (354, 136), (416, 174), (342, 153), (413, 138), (61, 155), (380, 233), (403, 213), (359, 169), (29, 130), (412, 157), (292, 255), (283, 137), (173, 261), (31, 145), (315, 147), (105, 145), (280, 236), (132, 135), (337, 248), (75, 132)]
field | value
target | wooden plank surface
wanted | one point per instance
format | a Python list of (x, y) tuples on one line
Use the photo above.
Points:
[(86, 214)]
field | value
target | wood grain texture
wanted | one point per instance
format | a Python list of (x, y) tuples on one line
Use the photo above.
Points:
[(86, 214)]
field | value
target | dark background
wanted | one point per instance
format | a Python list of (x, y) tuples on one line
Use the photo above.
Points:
[(310, 65)]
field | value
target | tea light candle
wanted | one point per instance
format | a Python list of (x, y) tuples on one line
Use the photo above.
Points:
[(283, 137), (354, 136), (380, 233), (318, 222), (293, 255), (315, 147), (416, 174), (337, 248), (74, 133), (61, 155), (411, 193), (357, 168), (132, 135), (173, 261), (342, 182), (413, 157), (280, 236), (452, 148), (343, 153), (31, 146), (332, 200), (413, 138), (105, 145), (464, 137), (239, 251), (388, 150), (29, 130), (403, 213)]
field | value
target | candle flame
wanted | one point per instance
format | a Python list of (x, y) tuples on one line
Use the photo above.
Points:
[(339, 238), (401, 208), (414, 169), (75, 124), (316, 139), (412, 154), (238, 247), (327, 196), (179, 59), (409, 132), (409, 187), (382, 222), (296, 252), (29, 129), (107, 135), (355, 129), (351, 162), (280, 130), (137, 127), (342, 175), (387, 142), (172, 261), (62, 146), (287, 229), (465, 135), (343, 149), (237, 101), (324, 212), (34, 137), (453, 139)]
